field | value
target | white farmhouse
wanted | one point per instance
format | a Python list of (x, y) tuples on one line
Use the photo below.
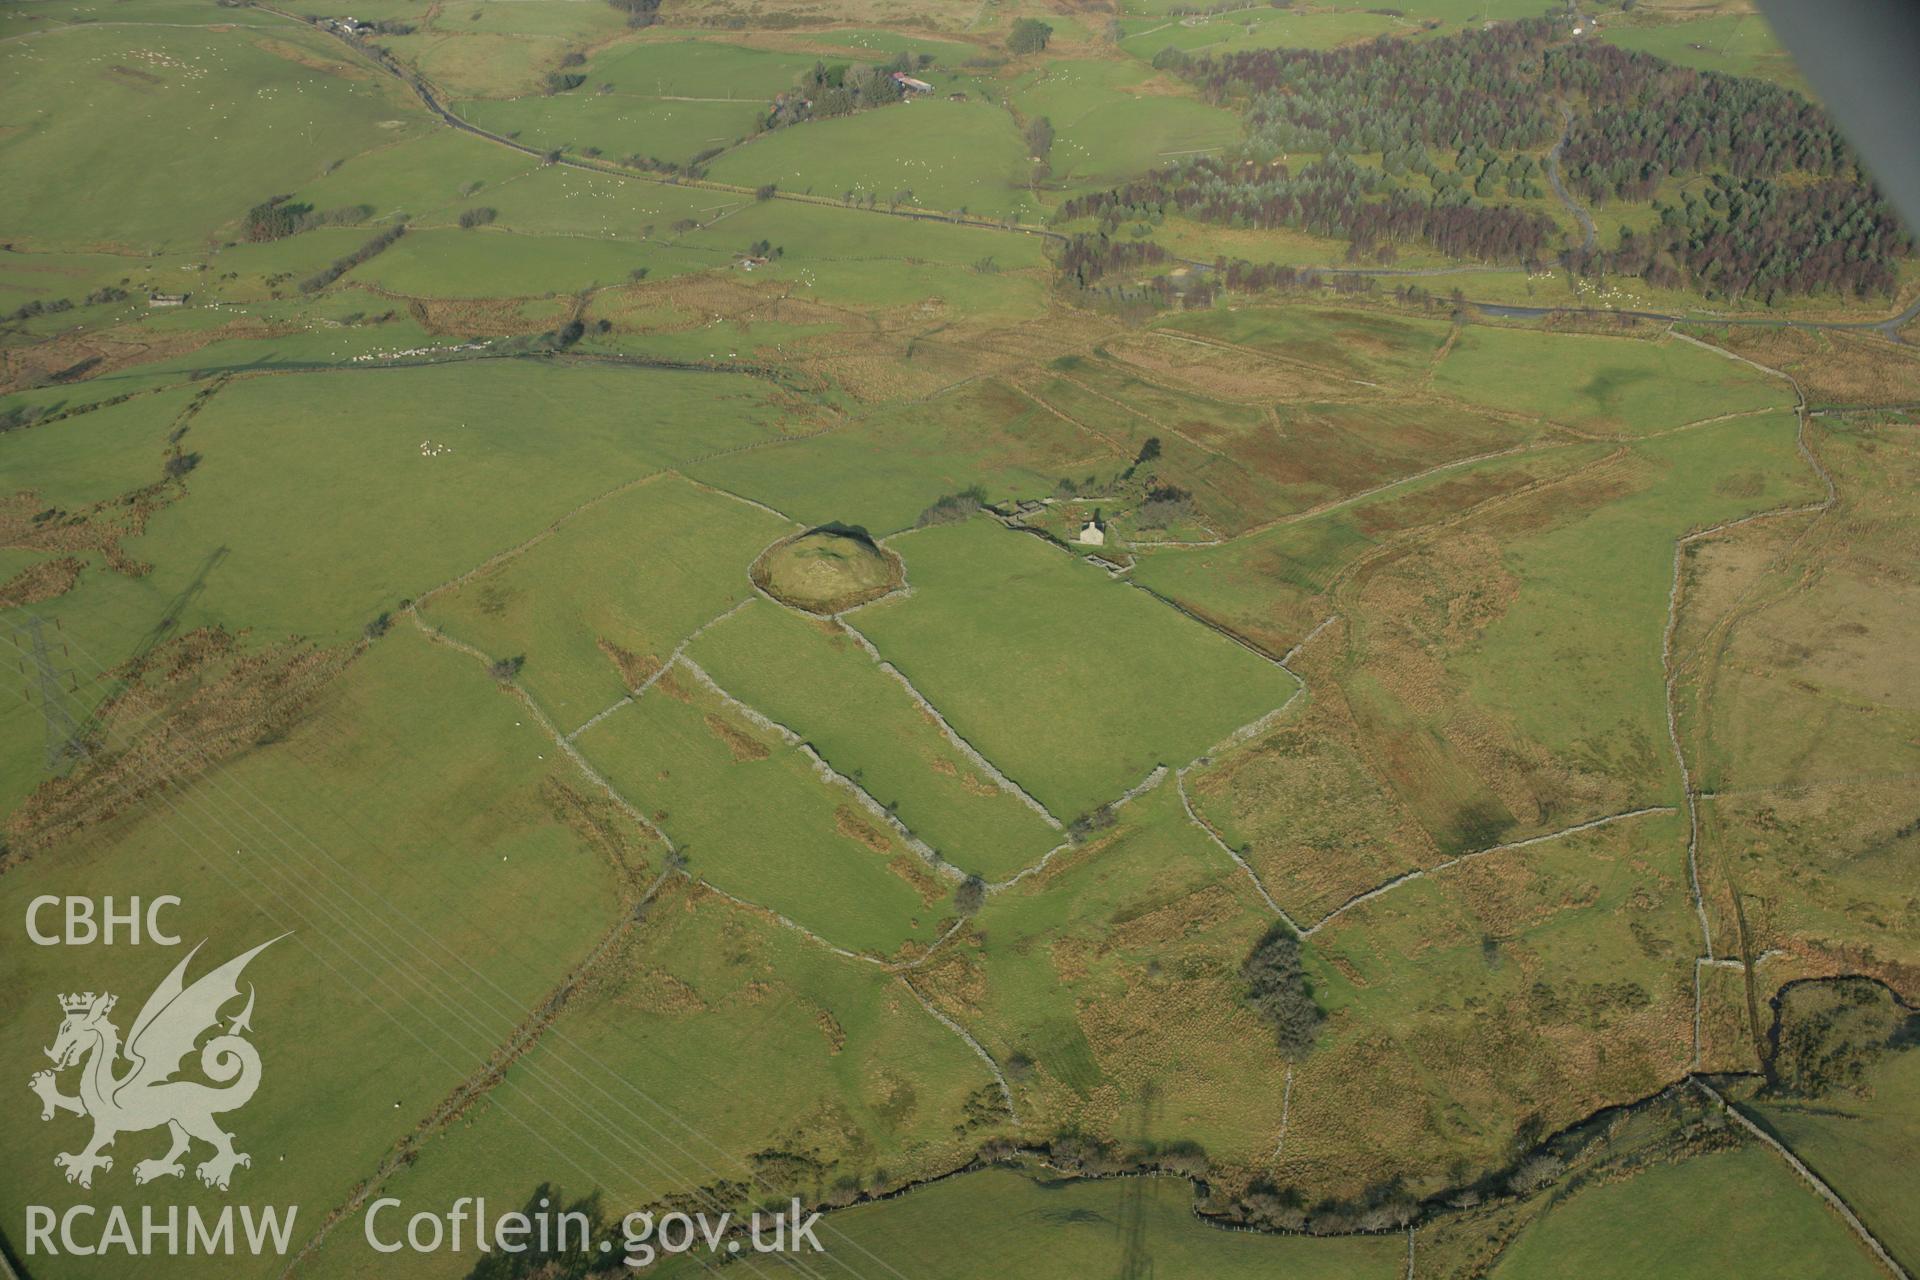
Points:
[(1092, 535)]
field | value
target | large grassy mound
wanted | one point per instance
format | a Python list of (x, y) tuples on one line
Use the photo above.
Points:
[(827, 571)]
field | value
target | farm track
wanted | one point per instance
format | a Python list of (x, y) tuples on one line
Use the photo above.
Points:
[(430, 98)]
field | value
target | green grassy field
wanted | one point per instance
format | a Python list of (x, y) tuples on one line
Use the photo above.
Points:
[(518, 19), (810, 852), (71, 276), (655, 1079), (882, 470), (876, 45), (206, 124), (639, 572), (450, 264), (1741, 714), (1110, 126), (430, 177), (1780, 613), (1736, 44), (669, 129), (1076, 685), (1589, 577), (477, 64), (406, 601), (823, 686), (1861, 1142), (1614, 386), (1255, 29), (1764, 1223), (666, 67), (272, 497), (395, 847), (101, 455), (929, 154), (340, 563)]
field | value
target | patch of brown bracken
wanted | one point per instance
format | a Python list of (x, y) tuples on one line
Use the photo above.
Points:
[(743, 745), (860, 831), (180, 711), (41, 582), (635, 669)]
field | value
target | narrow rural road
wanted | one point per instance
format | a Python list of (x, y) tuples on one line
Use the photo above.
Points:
[(1578, 210), (429, 98)]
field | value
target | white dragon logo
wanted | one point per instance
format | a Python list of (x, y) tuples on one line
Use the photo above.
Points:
[(145, 1095)]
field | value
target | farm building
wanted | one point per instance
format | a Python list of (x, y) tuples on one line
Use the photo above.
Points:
[(1092, 534), (909, 84), (166, 299)]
